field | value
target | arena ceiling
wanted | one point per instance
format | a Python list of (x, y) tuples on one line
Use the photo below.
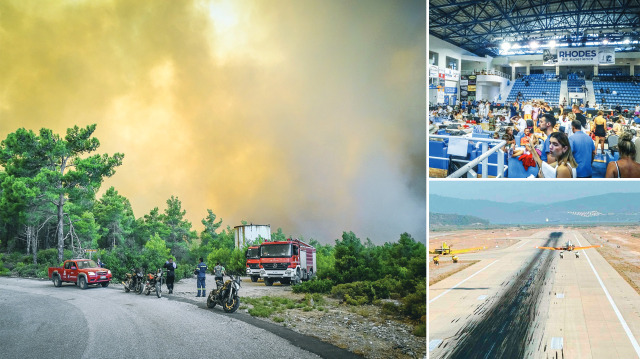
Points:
[(482, 27)]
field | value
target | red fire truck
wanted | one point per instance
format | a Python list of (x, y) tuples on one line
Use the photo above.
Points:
[(287, 261), (253, 262)]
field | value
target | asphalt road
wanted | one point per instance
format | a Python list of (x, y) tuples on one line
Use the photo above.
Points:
[(522, 302), (41, 321)]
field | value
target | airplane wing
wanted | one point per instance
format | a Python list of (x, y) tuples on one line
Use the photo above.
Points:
[(552, 248), (457, 251), (577, 248)]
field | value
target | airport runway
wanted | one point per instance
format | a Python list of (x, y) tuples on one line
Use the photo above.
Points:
[(523, 302)]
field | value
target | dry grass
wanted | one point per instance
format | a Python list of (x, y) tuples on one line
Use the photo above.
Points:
[(454, 269), (620, 258), (625, 269)]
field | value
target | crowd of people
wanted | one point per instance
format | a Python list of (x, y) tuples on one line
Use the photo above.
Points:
[(561, 143)]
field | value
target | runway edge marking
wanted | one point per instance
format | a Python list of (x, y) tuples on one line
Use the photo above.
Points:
[(633, 340), (464, 280)]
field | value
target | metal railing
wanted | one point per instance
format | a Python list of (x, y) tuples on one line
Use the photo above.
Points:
[(484, 158), (484, 72)]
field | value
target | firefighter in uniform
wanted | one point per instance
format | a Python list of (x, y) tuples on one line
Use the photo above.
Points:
[(201, 271)]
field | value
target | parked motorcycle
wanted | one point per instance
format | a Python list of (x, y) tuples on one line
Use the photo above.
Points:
[(154, 281), (226, 295), (134, 281)]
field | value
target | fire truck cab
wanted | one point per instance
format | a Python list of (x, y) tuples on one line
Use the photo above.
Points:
[(289, 261)]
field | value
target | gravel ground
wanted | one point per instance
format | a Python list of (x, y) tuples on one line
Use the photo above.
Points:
[(362, 330)]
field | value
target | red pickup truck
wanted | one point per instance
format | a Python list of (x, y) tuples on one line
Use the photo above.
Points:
[(81, 272)]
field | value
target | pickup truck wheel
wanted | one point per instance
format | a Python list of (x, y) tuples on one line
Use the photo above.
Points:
[(268, 282), (56, 281), (254, 279), (105, 284), (82, 283)]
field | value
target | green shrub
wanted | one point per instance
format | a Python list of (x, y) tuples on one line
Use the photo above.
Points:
[(48, 257), (390, 308), (27, 270), (316, 298), (314, 286), (355, 293), (414, 305), (261, 311), (420, 330), (278, 319), (386, 287), (3, 271), (357, 300)]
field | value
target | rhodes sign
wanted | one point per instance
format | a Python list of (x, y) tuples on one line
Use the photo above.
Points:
[(586, 56)]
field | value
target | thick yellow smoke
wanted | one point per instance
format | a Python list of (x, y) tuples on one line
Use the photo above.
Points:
[(306, 115)]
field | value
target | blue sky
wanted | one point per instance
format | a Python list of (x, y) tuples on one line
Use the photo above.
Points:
[(534, 191)]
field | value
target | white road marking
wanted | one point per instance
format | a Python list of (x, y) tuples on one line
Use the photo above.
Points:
[(482, 297), (556, 343), (464, 280), (434, 344), (633, 340), (560, 295)]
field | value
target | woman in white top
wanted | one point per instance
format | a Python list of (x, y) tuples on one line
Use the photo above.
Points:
[(559, 146)]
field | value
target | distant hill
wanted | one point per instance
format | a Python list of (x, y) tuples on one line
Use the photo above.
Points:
[(610, 208), (441, 219)]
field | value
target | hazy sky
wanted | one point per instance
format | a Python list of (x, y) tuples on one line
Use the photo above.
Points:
[(533, 191), (306, 115)]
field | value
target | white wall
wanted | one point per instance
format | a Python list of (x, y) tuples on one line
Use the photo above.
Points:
[(489, 86), (249, 234), (445, 49)]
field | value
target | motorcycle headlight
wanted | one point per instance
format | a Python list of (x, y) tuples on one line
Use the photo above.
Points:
[(91, 273), (236, 285)]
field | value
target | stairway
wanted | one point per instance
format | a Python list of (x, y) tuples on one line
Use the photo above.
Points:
[(591, 95), (564, 92)]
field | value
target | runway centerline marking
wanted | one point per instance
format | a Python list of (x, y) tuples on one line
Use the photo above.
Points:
[(464, 280), (633, 340)]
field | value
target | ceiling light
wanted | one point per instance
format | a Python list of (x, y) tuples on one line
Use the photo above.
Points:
[(505, 46), (534, 45), (552, 44), (605, 41)]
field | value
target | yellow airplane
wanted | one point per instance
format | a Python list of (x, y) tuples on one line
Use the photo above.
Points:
[(569, 247)]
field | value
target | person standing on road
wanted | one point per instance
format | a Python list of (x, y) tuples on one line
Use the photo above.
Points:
[(170, 266), (201, 271), (219, 273)]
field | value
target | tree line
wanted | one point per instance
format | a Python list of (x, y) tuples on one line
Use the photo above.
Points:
[(50, 211)]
